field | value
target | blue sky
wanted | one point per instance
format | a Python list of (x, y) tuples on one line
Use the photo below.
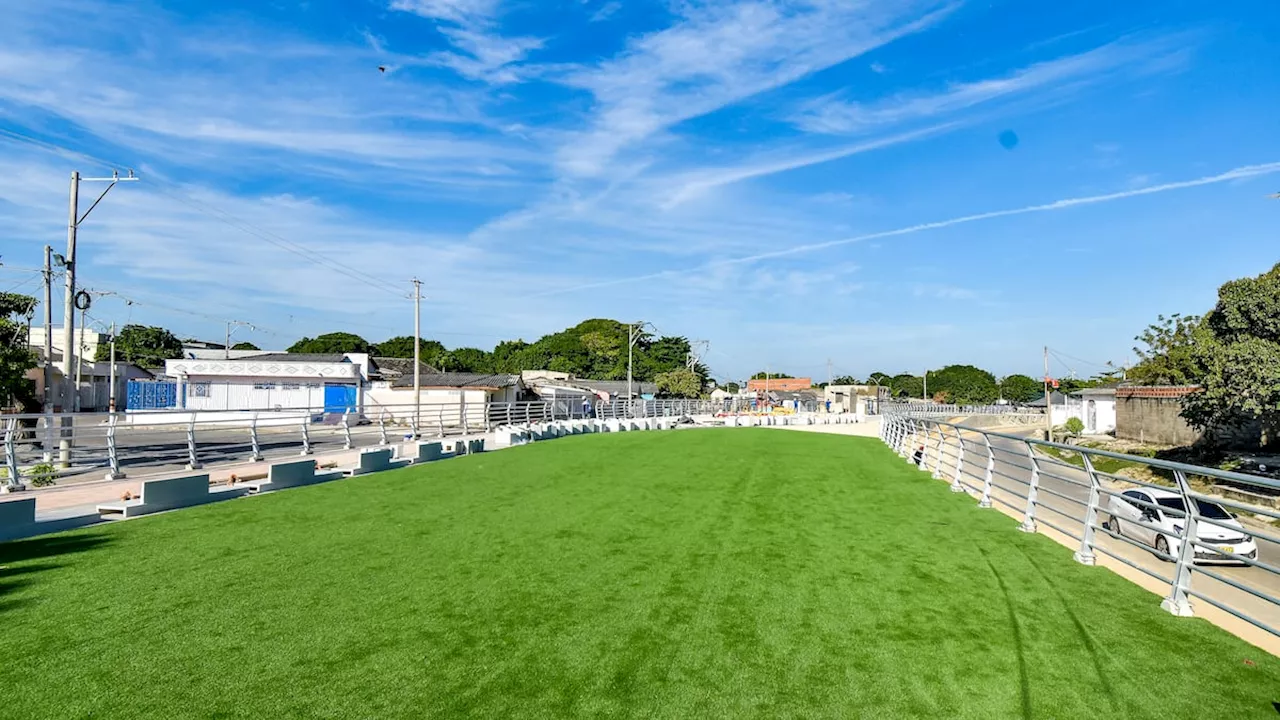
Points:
[(792, 181)]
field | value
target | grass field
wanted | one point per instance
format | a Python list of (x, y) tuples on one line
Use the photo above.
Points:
[(719, 573)]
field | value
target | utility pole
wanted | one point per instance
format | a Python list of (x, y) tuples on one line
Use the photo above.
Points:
[(634, 331), (829, 378), (111, 393), (74, 218), (231, 326), (417, 352), (48, 331), (926, 384), (1048, 400), (82, 350)]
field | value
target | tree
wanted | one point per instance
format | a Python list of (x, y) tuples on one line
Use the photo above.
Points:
[(846, 380), (906, 385), (245, 346), (731, 387), (1239, 348), (471, 360), (15, 357), (1074, 426), (772, 376), (146, 346), (963, 385), (401, 346), (331, 343), (880, 378), (1021, 388), (681, 383), (1170, 356)]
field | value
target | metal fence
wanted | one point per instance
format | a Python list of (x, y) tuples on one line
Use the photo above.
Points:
[(1163, 522), (951, 410), (87, 446)]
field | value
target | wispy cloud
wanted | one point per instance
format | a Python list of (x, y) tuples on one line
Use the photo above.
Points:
[(832, 114), (481, 51), (719, 54), (605, 11), (1237, 174)]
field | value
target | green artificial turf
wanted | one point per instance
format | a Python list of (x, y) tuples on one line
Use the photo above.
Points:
[(688, 574)]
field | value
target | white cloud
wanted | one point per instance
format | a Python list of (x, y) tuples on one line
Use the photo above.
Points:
[(831, 114), (720, 54), (605, 11), (481, 51)]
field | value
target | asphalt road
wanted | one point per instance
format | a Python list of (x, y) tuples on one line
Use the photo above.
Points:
[(1062, 498)]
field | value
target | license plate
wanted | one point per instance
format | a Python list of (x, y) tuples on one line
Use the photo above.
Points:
[(1228, 549)]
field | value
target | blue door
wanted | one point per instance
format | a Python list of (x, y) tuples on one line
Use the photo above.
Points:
[(339, 398)]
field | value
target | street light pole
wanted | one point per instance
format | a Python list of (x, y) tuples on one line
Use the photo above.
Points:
[(111, 394), (417, 354), (231, 327)]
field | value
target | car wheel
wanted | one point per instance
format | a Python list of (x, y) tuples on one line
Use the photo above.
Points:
[(1112, 524), (1162, 546)]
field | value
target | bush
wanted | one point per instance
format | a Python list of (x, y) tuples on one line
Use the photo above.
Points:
[(42, 474), (1074, 426)]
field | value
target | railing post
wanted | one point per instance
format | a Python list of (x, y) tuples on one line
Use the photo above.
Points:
[(985, 500), (113, 456), (1179, 600), (346, 429), (47, 441), (955, 478), (1033, 488), (253, 438), (382, 428), (306, 435), (193, 463), (413, 426), (1085, 555), (937, 453), (11, 453)]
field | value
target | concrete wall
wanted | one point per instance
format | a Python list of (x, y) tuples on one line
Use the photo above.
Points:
[(251, 393), (438, 405), (1153, 420)]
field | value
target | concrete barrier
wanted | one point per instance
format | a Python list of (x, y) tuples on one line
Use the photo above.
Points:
[(17, 518), (294, 473), (428, 451), (169, 494), (374, 460), (475, 446)]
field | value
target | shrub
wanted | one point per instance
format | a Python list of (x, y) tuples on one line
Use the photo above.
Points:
[(42, 474), (1074, 426)]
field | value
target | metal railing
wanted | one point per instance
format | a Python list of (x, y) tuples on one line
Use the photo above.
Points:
[(950, 410), (90, 446), (1034, 480)]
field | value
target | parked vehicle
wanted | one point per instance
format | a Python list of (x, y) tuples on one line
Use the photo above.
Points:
[(1156, 518)]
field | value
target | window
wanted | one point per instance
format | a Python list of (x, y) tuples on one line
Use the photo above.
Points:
[(290, 386), (200, 390), (264, 386)]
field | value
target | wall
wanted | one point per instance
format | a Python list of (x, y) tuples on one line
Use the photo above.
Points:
[(1153, 420), (1105, 413), (437, 405), (249, 393), (785, 384)]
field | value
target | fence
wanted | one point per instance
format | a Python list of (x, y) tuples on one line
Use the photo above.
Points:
[(84, 445), (1162, 524), (952, 410)]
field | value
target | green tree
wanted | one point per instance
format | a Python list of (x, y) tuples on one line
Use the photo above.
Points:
[(15, 357), (1074, 426), (1021, 388), (731, 387), (245, 346), (680, 383), (906, 385), (846, 380), (762, 374), (1239, 349), (401, 346), (963, 385), (1170, 356), (471, 360), (146, 346), (330, 343)]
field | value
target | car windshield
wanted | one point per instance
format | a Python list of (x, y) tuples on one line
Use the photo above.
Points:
[(1207, 510)]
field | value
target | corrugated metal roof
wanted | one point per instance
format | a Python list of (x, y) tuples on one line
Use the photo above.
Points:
[(460, 380)]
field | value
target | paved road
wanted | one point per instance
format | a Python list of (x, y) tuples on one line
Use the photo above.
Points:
[(1064, 493)]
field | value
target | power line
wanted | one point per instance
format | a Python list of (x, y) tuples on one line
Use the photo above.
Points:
[(221, 215)]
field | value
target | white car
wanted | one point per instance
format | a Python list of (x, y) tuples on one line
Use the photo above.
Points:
[(1217, 528)]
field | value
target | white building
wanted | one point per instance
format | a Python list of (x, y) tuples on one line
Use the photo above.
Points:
[(444, 399), (1096, 408), (276, 381)]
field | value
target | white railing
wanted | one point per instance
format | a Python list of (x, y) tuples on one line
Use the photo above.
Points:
[(1164, 524), (926, 409), (84, 446)]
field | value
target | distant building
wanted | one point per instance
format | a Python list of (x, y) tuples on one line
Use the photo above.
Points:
[(272, 381), (785, 384), (1096, 408)]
